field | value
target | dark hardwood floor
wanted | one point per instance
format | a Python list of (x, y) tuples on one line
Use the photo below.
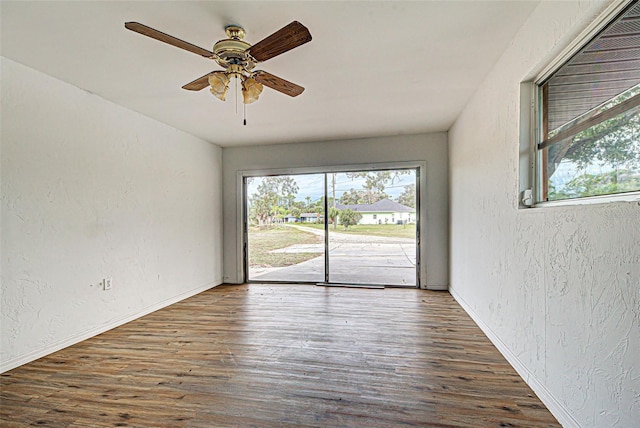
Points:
[(280, 356)]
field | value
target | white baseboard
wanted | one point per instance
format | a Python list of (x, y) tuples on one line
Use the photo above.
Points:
[(562, 414), (436, 287), (39, 353)]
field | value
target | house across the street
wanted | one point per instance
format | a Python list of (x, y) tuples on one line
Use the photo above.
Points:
[(290, 219), (385, 211), (310, 217)]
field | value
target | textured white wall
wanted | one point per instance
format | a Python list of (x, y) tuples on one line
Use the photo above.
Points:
[(556, 288), (89, 190), (429, 148)]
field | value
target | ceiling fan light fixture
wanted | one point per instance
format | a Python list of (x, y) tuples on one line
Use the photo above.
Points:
[(219, 83), (251, 90)]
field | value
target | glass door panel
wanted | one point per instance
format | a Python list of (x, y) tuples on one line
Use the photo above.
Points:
[(285, 228), (372, 230)]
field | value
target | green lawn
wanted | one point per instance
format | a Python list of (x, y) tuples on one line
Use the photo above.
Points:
[(262, 240), (389, 230)]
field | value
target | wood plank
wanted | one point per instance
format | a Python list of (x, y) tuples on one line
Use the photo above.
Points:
[(280, 356), (288, 37)]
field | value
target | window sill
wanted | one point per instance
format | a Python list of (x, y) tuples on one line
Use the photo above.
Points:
[(590, 200)]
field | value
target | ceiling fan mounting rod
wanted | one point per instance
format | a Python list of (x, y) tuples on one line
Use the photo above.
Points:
[(234, 32)]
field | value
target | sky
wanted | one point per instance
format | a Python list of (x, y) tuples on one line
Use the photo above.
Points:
[(313, 185)]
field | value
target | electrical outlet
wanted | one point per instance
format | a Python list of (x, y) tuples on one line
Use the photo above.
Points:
[(106, 284)]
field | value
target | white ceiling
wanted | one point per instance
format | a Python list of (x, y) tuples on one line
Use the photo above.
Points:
[(372, 68)]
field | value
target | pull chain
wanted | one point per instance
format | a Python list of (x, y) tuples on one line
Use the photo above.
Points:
[(245, 114)]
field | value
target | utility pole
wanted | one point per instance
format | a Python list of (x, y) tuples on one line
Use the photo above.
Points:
[(333, 187)]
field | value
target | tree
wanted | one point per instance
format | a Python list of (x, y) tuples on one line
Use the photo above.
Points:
[(295, 212), (272, 193), (280, 213), (334, 213), (298, 204), (408, 196), (614, 144), (352, 197), (598, 184), (373, 188), (375, 184), (349, 217)]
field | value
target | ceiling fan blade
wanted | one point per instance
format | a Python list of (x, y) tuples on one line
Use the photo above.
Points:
[(198, 84), (159, 35), (278, 83), (283, 40)]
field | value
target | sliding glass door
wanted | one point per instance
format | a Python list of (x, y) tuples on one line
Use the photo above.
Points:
[(355, 227)]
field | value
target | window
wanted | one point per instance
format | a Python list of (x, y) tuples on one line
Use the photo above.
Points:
[(588, 112)]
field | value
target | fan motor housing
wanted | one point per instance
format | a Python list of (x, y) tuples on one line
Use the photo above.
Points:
[(233, 50)]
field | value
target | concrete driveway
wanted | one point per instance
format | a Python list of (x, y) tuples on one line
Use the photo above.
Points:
[(360, 259)]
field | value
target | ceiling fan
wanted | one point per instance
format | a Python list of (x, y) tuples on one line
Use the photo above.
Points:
[(239, 58)]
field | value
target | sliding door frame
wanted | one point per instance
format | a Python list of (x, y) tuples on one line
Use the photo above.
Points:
[(421, 215)]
